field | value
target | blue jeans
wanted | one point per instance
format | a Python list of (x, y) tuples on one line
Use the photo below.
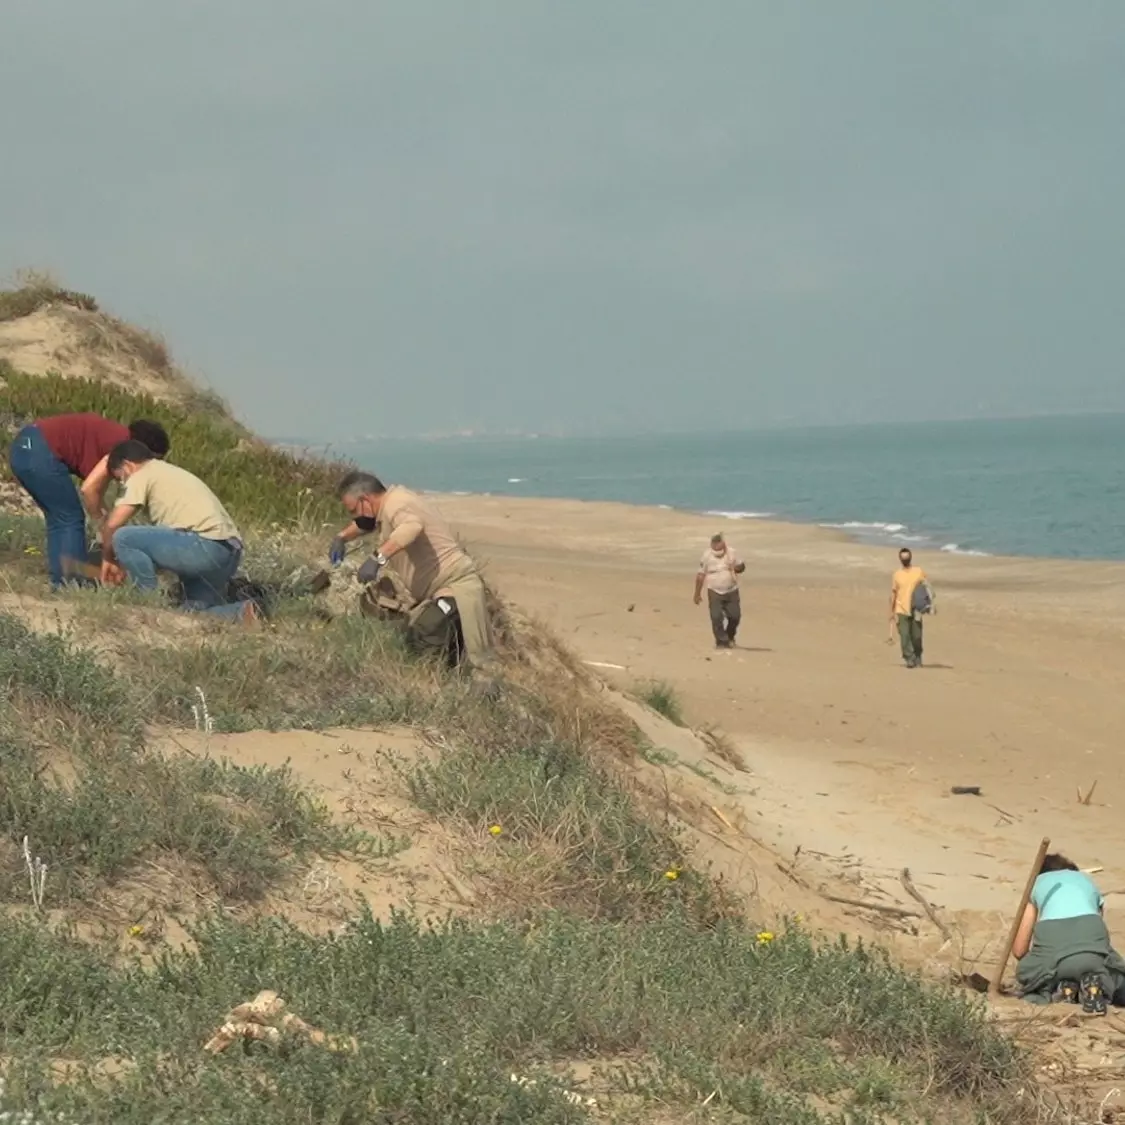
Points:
[(49, 483), (204, 566)]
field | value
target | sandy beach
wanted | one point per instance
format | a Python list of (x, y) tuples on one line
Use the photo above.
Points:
[(853, 755)]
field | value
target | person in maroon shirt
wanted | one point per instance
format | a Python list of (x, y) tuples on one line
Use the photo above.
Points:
[(47, 454)]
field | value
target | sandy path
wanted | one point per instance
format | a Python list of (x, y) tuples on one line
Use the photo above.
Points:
[(853, 754)]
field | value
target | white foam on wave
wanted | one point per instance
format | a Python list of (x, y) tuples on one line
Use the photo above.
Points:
[(860, 525), (741, 515), (515, 480), (956, 549)]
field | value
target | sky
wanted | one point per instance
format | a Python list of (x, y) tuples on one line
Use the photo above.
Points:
[(362, 217)]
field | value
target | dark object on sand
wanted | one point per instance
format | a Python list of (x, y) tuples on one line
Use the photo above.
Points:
[(978, 982), (965, 791)]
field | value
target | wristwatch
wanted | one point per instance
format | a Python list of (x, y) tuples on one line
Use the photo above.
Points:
[(381, 559)]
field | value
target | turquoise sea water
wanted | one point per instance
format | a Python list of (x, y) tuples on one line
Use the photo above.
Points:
[(1044, 486)]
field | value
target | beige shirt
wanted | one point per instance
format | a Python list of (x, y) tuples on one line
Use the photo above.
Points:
[(430, 557), (175, 498), (718, 570)]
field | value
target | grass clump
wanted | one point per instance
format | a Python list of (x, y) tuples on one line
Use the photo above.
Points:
[(40, 292), (663, 698), (766, 1028), (80, 783), (565, 835), (260, 485)]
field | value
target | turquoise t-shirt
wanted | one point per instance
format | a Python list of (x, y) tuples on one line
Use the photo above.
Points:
[(1065, 894)]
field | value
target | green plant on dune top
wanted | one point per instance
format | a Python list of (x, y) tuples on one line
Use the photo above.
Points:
[(260, 484), (39, 293)]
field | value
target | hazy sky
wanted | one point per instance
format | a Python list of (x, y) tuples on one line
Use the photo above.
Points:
[(356, 216)]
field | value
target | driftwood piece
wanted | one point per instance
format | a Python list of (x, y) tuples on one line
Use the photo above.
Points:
[(931, 913), (264, 1019), (893, 911)]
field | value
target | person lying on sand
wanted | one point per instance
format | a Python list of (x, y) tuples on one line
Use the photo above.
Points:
[(1062, 945), (46, 454), (192, 535), (449, 615)]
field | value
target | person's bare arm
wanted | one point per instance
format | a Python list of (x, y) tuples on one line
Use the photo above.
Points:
[(1022, 943), (117, 519), (698, 588), (94, 488)]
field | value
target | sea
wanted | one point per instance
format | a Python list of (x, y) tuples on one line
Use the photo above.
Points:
[(1050, 486)]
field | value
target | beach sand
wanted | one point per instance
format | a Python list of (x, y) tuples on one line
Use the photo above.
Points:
[(853, 755)]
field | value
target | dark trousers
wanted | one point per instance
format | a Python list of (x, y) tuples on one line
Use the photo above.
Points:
[(49, 483), (910, 637), (726, 613)]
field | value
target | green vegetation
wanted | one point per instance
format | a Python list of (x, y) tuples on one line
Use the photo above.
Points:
[(663, 698), (260, 484), (79, 783), (16, 303), (763, 1029)]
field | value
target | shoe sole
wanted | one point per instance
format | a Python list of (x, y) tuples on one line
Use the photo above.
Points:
[(1093, 996)]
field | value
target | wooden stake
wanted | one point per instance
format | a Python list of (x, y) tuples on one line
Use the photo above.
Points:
[(1089, 793), (994, 987)]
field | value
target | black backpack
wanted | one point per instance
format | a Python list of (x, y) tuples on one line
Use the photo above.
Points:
[(921, 601)]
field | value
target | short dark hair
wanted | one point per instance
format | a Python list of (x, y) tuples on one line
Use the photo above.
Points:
[(1056, 861), (152, 434), (359, 483), (135, 451)]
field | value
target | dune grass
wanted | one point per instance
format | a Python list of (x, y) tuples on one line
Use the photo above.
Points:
[(663, 698), (757, 1027), (261, 485)]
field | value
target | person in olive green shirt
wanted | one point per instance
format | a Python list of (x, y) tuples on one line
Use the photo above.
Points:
[(193, 535)]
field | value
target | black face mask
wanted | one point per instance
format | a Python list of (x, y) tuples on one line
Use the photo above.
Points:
[(366, 523)]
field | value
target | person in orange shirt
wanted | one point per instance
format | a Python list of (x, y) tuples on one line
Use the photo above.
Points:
[(911, 598)]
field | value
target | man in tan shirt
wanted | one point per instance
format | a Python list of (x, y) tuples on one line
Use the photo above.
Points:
[(719, 569), (192, 535), (419, 546)]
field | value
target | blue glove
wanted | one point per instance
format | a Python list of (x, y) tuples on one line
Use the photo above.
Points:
[(369, 571), (337, 551)]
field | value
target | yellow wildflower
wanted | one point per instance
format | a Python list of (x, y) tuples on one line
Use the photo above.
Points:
[(136, 931), (765, 937), (495, 830), (672, 873)]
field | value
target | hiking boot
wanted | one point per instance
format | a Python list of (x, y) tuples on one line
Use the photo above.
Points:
[(1066, 992), (722, 644), (1092, 994)]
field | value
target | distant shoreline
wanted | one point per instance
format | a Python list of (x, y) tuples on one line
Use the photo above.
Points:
[(764, 525)]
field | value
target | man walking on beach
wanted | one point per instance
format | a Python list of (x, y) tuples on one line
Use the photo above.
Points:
[(718, 572), (449, 614), (911, 597)]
